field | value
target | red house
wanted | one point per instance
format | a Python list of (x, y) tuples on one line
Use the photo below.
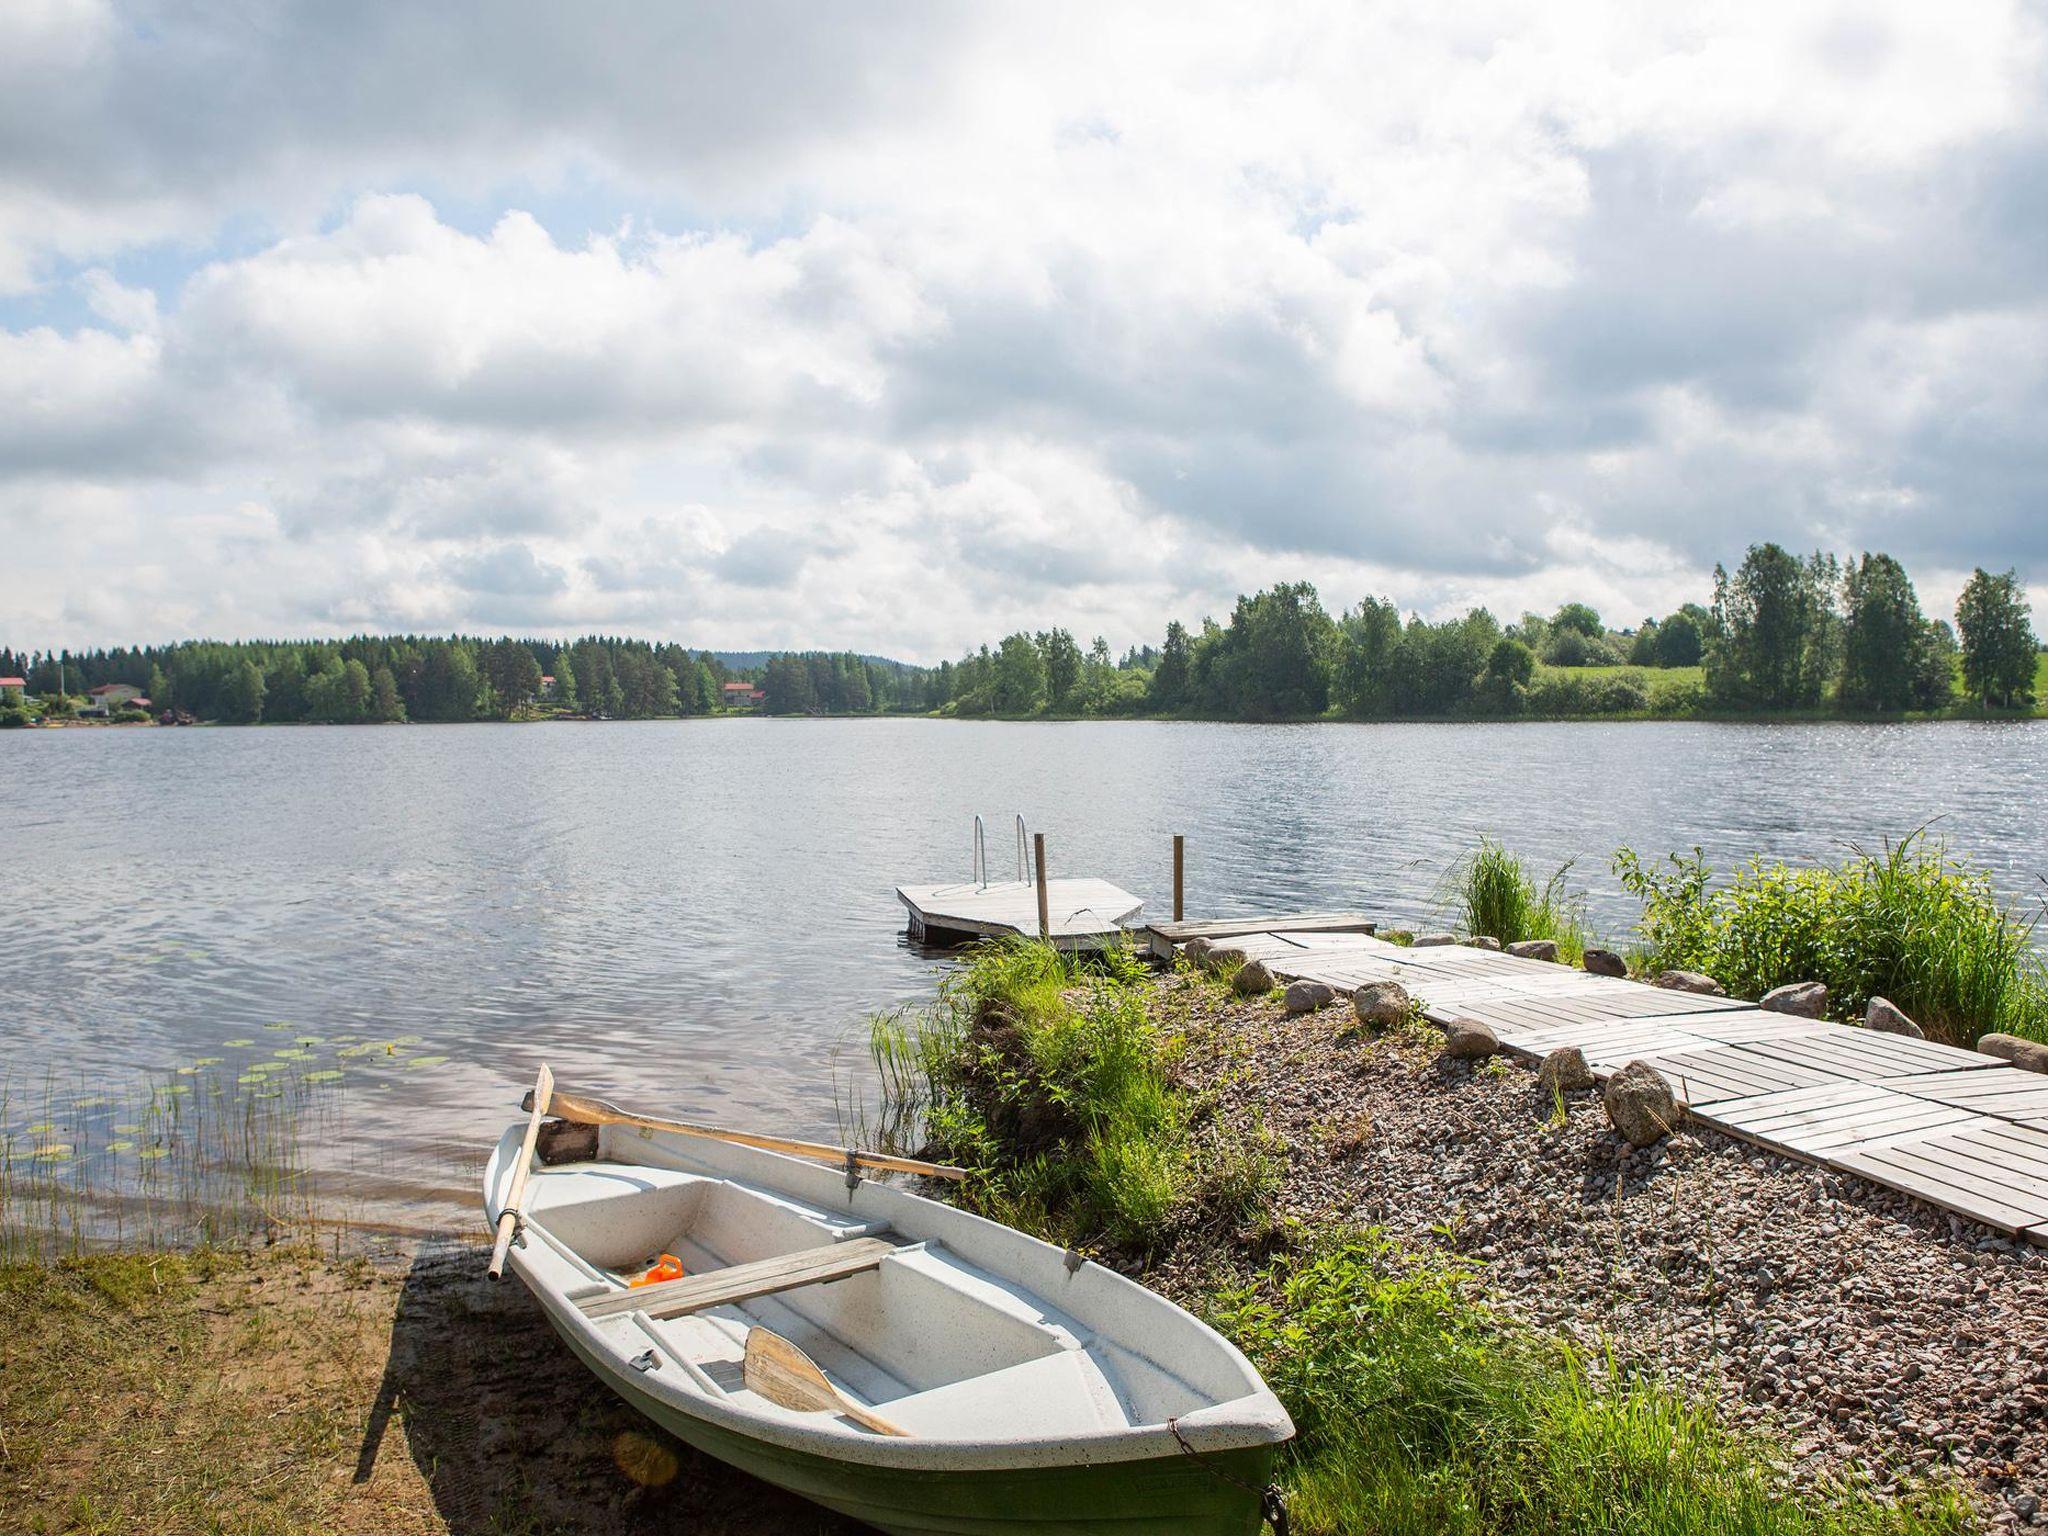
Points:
[(743, 695)]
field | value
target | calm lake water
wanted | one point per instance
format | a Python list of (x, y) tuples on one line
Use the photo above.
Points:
[(700, 915)]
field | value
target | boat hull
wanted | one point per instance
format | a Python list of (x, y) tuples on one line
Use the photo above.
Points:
[(1160, 1496)]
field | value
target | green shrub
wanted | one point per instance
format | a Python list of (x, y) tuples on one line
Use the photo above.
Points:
[(1050, 1078), (1559, 692), (1908, 923), (1492, 892), (1419, 1412)]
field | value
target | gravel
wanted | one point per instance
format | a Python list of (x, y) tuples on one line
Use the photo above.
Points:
[(1880, 1338)]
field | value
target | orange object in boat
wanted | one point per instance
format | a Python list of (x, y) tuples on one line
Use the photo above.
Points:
[(670, 1268)]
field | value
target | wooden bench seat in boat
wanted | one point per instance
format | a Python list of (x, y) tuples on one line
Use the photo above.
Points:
[(743, 1282)]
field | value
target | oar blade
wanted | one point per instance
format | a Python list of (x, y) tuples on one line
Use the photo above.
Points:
[(777, 1370)]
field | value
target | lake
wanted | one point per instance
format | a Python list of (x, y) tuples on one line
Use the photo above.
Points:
[(699, 915)]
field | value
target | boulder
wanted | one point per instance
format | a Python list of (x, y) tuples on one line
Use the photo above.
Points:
[(1886, 1015), (1221, 957), (1432, 940), (1803, 999), (1469, 1040), (1381, 1003), (1252, 979), (1308, 996), (2027, 1055), (565, 1141), (1605, 962), (1564, 1071), (1196, 948), (1640, 1104), (1484, 941), (1534, 949), (1689, 981)]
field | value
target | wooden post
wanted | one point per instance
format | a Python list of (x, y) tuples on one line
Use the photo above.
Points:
[(1038, 859), (1180, 869)]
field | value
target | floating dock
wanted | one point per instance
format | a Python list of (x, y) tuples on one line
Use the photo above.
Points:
[(1958, 1129), (1081, 914)]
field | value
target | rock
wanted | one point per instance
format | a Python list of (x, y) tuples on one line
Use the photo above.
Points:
[(1432, 940), (1534, 949), (1803, 999), (1605, 962), (1564, 1071), (564, 1141), (1469, 1040), (1252, 979), (1640, 1104), (2027, 1055), (1308, 996), (1484, 941), (1196, 948), (1883, 1014), (1689, 981), (1380, 1003), (1219, 957)]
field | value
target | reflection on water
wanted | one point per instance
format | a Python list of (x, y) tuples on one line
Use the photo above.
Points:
[(700, 914)]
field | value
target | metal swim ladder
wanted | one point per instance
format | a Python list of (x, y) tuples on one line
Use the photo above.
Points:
[(980, 871)]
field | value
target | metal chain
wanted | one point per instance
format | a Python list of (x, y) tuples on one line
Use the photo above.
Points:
[(1272, 1507)]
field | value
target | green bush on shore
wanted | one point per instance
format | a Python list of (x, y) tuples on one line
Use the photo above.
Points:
[(1908, 923), (1419, 1412)]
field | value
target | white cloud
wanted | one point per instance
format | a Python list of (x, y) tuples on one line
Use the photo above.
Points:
[(895, 326)]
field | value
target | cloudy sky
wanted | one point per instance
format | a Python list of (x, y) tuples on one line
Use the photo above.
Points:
[(896, 325)]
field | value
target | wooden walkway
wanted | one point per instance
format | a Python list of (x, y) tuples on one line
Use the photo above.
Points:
[(1084, 914), (1960, 1130)]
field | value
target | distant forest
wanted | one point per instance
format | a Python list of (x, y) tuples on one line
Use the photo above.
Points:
[(1784, 634)]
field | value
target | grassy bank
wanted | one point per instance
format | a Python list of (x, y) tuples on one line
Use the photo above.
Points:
[(1419, 1408), (292, 1392)]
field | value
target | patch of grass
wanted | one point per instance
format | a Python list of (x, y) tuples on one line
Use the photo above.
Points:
[(1420, 1413), (1049, 1076), (1908, 922), (1492, 892)]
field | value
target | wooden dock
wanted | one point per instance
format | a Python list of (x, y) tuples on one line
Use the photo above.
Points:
[(1960, 1130), (1081, 914)]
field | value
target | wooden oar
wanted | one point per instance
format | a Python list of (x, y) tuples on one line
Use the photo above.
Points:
[(588, 1111), (788, 1377), (515, 1200)]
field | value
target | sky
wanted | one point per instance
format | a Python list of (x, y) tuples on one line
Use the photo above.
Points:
[(899, 325)]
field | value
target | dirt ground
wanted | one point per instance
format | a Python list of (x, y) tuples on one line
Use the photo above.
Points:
[(381, 1394)]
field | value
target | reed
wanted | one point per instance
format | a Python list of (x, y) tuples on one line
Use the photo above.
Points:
[(1492, 892)]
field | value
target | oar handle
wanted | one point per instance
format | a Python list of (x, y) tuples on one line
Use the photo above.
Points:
[(538, 1100), (590, 1111)]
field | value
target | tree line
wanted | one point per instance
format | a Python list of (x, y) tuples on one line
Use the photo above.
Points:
[(1783, 633)]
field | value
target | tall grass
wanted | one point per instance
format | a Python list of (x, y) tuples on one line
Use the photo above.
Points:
[(1047, 1074), (1418, 1412), (1907, 922), (1492, 892)]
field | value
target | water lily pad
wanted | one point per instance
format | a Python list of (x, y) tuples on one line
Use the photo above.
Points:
[(295, 1055), (188, 1071), (405, 1039), (271, 1094), (95, 1101), (324, 1075), (51, 1152), (280, 1024), (305, 1039), (128, 1128), (238, 1043), (177, 1087), (153, 1153), (426, 1061), (207, 1061), (40, 1128), (252, 1079)]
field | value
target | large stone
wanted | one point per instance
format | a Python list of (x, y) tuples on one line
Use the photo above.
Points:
[(2027, 1055), (1432, 940), (1640, 1104), (1196, 948), (1886, 1015), (1252, 979), (1689, 981), (1221, 957), (1484, 941), (1381, 1003), (1534, 949), (1308, 996), (1469, 1040), (1564, 1071), (1605, 962), (1803, 999)]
